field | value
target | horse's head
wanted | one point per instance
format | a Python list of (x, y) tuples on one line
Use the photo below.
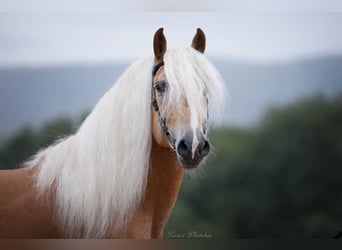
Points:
[(180, 82)]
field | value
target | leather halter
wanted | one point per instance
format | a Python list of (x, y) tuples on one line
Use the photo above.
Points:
[(167, 132)]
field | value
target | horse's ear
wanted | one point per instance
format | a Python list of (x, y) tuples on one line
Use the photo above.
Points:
[(159, 44), (198, 42)]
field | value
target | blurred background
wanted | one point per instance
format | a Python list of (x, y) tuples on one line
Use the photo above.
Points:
[(276, 170)]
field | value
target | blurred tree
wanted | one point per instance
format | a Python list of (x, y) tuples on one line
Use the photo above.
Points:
[(27, 142), (17, 148), (54, 130), (280, 179)]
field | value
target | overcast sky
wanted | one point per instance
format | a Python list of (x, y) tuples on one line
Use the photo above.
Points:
[(35, 34)]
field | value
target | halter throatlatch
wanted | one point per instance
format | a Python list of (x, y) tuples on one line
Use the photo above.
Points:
[(167, 132)]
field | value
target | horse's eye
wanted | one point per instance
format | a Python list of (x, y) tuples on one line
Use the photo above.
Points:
[(160, 87)]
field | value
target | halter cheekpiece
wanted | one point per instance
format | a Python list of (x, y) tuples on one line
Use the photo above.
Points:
[(154, 103)]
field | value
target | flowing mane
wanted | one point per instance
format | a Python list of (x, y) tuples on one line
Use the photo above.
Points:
[(99, 174)]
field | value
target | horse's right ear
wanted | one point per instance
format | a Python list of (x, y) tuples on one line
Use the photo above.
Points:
[(159, 44)]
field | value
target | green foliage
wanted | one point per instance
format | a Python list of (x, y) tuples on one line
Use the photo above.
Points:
[(27, 142), (280, 179), (17, 148)]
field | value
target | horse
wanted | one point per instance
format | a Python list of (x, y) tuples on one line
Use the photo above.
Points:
[(119, 175)]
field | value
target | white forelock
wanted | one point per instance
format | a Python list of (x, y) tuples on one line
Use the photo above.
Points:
[(192, 77)]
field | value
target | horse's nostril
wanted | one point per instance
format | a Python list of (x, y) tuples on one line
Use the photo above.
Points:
[(205, 148), (184, 148)]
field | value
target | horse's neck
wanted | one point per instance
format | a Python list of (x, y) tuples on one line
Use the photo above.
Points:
[(165, 177), (164, 180)]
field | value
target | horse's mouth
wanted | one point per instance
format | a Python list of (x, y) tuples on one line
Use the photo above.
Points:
[(190, 163)]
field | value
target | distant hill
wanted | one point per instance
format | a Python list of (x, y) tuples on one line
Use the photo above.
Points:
[(255, 87), (31, 96)]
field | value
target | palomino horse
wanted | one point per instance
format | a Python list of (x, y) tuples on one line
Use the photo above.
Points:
[(120, 174)]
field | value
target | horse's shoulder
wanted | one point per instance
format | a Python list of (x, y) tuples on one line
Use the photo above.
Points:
[(14, 182)]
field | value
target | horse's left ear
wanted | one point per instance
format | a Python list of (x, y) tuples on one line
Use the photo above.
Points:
[(159, 44), (198, 42)]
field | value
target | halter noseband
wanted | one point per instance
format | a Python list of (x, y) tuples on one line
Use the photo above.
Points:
[(154, 103)]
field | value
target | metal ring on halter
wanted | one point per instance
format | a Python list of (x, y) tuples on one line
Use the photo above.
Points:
[(171, 139)]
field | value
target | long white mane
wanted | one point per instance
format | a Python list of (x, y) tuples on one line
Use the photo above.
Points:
[(99, 174)]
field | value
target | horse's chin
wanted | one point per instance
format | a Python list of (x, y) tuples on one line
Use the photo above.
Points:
[(189, 163)]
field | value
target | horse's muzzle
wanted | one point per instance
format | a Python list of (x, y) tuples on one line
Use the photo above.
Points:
[(191, 151)]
